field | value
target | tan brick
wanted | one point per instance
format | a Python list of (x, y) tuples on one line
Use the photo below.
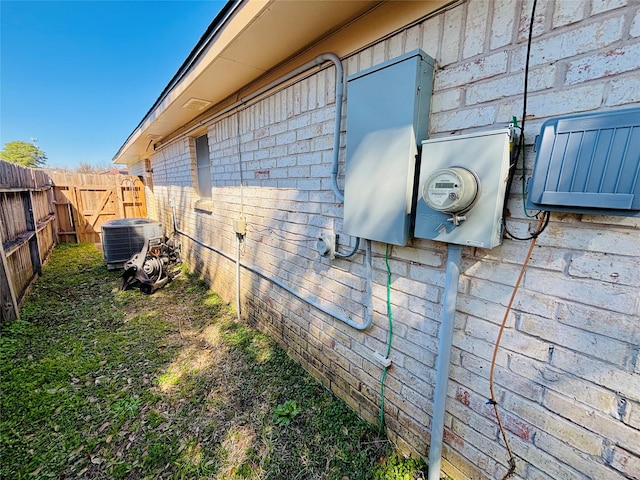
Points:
[(482, 309), (431, 31), (599, 321), (475, 28), (479, 116), (485, 457), (601, 425), (478, 347), (486, 427), (621, 92), (608, 268), (598, 372), (634, 31), (446, 100), (549, 464), (502, 24), (611, 62), (599, 294), (504, 379), (633, 414), (451, 36), (586, 342), (470, 72), (460, 467), (626, 462), (565, 431), (585, 465)]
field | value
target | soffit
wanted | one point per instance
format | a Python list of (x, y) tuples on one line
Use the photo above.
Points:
[(260, 36)]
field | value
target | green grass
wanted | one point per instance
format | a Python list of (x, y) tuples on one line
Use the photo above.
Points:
[(102, 384)]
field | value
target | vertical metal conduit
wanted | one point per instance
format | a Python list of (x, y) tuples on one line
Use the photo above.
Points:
[(454, 256)]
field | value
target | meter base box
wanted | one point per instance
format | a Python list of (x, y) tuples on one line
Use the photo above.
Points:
[(387, 118), (487, 155)]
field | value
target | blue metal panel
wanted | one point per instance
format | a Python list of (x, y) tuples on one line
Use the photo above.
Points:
[(588, 164), (387, 118)]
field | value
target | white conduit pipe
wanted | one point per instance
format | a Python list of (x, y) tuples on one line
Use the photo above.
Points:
[(368, 320), (454, 255)]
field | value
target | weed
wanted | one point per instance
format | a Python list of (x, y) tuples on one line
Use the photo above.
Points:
[(285, 413), (126, 408), (395, 467)]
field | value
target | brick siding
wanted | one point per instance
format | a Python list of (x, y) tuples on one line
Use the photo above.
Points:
[(568, 371)]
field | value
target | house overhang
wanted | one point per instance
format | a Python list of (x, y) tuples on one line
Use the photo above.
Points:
[(252, 41)]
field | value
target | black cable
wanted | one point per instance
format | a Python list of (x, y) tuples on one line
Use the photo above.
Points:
[(350, 254), (282, 236), (521, 145), (535, 234), (542, 224)]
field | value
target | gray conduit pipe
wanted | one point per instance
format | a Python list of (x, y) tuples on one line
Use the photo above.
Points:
[(335, 154), (238, 311), (368, 320), (316, 62), (454, 256)]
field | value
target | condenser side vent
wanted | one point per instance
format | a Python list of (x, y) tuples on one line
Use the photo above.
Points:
[(123, 237), (588, 164)]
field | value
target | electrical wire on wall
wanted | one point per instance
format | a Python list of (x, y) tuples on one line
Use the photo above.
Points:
[(492, 400), (304, 240), (543, 222), (389, 341), (520, 149)]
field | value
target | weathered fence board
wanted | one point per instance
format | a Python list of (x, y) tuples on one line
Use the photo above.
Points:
[(26, 232), (8, 298), (83, 202), (39, 209)]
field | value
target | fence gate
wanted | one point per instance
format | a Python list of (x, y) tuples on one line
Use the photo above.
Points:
[(83, 202)]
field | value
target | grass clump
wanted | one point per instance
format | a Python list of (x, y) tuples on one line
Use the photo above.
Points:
[(103, 384)]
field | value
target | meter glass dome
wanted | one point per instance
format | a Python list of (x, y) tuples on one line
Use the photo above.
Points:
[(450, 190)]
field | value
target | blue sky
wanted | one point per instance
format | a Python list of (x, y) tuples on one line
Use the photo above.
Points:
[(80, 75)]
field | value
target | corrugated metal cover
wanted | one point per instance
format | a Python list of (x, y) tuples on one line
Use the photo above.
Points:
[(588, 164)]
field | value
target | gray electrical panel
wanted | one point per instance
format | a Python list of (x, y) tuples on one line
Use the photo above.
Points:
[(462, 188), (387, 118), (588, 164)]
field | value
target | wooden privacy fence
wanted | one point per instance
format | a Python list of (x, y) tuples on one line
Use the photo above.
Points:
[(83, 202), (39, 209), (27, 231)]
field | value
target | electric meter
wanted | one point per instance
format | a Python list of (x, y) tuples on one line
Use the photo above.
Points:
[(462, 187), (450, 190)]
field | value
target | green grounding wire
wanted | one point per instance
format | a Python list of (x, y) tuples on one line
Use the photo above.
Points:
[(390, 317)]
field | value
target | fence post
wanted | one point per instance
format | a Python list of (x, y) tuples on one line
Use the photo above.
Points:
[(9, 308)]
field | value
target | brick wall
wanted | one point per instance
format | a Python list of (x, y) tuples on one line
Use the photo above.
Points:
[(568, 371)]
